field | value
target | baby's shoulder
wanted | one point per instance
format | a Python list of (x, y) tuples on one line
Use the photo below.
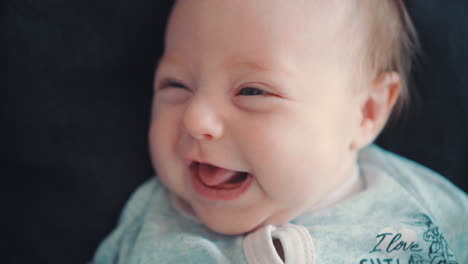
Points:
[(139, 200), (443, 201), (432, 190)]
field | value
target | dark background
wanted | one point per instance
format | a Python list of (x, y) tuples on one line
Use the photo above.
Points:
[(75, 100)]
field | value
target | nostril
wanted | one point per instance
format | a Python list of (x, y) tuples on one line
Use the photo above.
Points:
[(207, 137), (203, 137), (193, 164)]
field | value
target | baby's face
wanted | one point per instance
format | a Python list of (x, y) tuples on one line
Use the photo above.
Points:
[(261, 91)]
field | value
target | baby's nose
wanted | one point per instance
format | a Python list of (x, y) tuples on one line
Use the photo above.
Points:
[(203, 121)]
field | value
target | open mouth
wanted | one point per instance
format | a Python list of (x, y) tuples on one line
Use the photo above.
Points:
[(217, 183)]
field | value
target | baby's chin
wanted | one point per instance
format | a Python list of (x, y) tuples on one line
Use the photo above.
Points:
[(237, 228), (239, 224)]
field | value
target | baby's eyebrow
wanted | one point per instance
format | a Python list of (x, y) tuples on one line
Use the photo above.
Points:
[(255, 66), (233, 65), (246, 64)]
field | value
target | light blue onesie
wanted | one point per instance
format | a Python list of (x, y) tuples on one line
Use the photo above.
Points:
[(405, 214)]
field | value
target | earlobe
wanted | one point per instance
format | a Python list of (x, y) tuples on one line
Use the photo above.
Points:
[(376, 107)]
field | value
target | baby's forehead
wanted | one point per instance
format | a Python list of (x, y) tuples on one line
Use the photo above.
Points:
[(272, 12), (286, 23)]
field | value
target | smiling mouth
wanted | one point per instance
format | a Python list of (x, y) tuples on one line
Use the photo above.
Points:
[(217, 183)]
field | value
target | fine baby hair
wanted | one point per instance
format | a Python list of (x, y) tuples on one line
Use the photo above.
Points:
[(390, 41)]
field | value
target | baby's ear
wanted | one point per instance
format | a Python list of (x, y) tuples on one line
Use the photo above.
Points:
[(376, 106)]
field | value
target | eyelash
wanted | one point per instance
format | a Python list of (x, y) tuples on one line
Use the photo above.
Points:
[(175, 84), (257, 91), (172, 83)]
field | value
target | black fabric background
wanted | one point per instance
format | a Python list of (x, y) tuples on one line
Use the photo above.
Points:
[(75, 99)]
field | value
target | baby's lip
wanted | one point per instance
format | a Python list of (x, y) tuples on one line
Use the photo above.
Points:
[(190, 162)]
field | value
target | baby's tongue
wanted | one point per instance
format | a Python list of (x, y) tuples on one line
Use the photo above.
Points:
[(213, 176)]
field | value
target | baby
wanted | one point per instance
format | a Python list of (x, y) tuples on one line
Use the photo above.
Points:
[(261, 135)]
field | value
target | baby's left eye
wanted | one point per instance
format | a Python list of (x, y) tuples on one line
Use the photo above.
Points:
[(248, 91)]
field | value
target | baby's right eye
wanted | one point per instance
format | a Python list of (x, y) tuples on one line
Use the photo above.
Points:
[(172, 91), (169, 83)]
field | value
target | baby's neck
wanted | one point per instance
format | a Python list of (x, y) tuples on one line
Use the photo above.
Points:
[(351, 186)]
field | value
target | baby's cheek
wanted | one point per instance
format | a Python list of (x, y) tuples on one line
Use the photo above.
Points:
[(160, 140), (301, 190), (296, 180)]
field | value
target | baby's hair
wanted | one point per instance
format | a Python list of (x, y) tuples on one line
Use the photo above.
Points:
[(390, 43)]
